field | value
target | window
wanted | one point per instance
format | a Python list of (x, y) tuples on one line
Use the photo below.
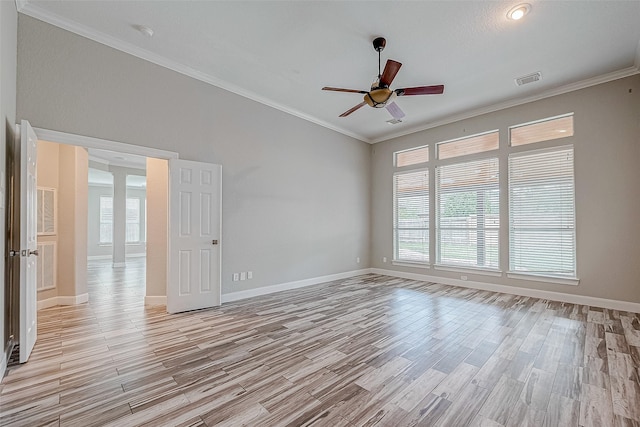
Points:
[(106, 219), (543, 130), (467, 214), (133, 220), (411, 216), (542, 213), (412, 156), (469, 145)]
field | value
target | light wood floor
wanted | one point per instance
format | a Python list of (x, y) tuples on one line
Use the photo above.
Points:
[(370, 350)]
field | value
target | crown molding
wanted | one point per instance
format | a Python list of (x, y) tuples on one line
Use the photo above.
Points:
[(604, 78), (26, 8), (23, 6)]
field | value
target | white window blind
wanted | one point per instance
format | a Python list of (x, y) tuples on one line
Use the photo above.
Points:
[(106, 219), (133, 220), (467, 214), (411, 216), (542, 213)]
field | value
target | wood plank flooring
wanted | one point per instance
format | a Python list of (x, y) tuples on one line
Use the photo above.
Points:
[(370, 350)]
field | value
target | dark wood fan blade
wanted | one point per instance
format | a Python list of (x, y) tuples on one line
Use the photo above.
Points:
[(390, 70), (351, 110), (337, 89), (421, 90)]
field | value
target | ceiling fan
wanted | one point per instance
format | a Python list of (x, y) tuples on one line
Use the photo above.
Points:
[(380, 95)]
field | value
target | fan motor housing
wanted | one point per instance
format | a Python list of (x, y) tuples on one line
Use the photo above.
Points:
[(377, 98)]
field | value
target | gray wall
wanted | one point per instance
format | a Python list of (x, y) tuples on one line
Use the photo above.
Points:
[(607, 171), (296, 196), (8, 31), (94, 248)]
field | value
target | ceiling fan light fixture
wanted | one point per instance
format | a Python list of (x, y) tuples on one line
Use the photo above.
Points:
[(519, 11), (377, 98)]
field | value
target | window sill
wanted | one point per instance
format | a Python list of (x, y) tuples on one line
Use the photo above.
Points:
[(546, 279), (410, 264), (470, 270)]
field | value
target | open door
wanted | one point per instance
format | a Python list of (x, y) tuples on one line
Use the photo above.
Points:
[(28, 240), (195, 191)]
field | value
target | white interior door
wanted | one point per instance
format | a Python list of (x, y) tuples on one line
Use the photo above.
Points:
[(195, 191), (28, 240)]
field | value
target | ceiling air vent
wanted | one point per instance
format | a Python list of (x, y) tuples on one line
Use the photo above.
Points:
[(530, 78)]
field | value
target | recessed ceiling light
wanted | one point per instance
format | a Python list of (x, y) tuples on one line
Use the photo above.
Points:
[(144, 30), (519, 11)]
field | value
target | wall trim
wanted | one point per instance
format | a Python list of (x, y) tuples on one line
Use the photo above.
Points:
[(33, 10), (27, 8), (571, 87), (265, 290), (103, 144), (98, 257), (155, 300), (63, 300), (515, 290)]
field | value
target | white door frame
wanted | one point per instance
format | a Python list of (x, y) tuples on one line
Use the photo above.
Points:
[(104, 144)]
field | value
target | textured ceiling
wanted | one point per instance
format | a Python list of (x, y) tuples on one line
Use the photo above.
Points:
[(282, 53)]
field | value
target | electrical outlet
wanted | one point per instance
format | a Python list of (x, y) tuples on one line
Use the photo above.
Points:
[(358, 260), (236, 277), (243, 275), (463, 277), (384, 259), (249, 274)]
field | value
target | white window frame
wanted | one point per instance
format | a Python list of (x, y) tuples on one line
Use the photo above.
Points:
[(100, 222), (439, 264), (139, 223), (396, 259), (533, 275)]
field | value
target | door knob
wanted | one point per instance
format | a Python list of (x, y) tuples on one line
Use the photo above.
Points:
[(34, 252)]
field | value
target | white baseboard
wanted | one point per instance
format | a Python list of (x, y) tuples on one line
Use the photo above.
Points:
[(63, 300), (137, 255), (46, 303), (97, 257), (155, 300), (514, 290), (264, 290)]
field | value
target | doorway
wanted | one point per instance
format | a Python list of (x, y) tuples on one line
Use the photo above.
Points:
[(194, 195)]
